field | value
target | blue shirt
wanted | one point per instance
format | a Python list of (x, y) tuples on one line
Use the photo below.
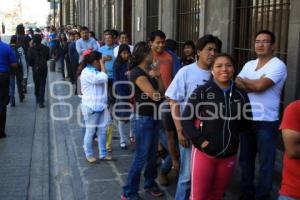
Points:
[(176, 63), (108, 51), (7, 57), (82, 45), (52, 42)]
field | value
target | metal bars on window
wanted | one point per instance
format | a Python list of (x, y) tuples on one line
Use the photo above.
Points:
[(152, 16), (188, 21), (255, 15)]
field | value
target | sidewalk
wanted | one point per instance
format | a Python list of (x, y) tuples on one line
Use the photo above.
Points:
[(23, 153), (42, 158), (103, 180)]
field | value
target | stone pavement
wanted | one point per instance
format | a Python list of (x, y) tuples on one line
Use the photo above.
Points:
[(104, 179), (42, 158), (23, 153)]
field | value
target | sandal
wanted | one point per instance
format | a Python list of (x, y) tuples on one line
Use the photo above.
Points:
[(107, 158), (109, 149), (132, 140), (91, 159)]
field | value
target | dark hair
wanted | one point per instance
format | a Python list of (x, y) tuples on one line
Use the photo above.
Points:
[(123, 33), (115, 33), (92, 34), (84, 28), (171, 45), (271, 34), (140, 51), (13, 39), (203, 41), (189, 43), (37, 39), (109, 33), (106, 31), (77, 33), (20, 29), (122, 47), (94, 55), (64, 35), (88, 59), (157, 33)]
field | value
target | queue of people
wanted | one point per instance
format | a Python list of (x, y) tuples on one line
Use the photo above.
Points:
[(198, 108)]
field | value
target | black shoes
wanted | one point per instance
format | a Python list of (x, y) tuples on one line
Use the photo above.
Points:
[(3, 136), (41, 105), (247, 197)]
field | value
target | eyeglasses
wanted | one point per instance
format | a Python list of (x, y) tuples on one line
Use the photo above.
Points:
[(263, 42)]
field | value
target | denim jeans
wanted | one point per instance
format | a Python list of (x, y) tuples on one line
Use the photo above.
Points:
[(281, 197), (94, 120), (184, 180), (261, 140), (146, 131), (166, 166), (16, 76)]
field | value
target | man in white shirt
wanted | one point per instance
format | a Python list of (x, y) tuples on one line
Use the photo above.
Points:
[(263, 79), (184, 83), (123, 39)]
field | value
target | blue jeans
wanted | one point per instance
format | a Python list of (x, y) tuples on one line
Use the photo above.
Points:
[(261, 140), (167, 163), (184, 180), (281, 197), (94, 120), (146, 131)]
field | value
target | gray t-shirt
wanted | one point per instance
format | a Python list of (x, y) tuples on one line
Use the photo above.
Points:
[(185, 82)]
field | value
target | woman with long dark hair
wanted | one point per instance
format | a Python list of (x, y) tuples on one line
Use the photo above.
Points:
[(62, 53), (148, 90), (122, 91)]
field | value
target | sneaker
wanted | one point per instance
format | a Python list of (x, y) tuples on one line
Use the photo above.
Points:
[(3, 135), (137, 197), (163, 178), (123, 146), (91, 159), (155, 191)]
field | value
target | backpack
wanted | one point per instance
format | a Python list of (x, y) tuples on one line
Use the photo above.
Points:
[(40, 62)]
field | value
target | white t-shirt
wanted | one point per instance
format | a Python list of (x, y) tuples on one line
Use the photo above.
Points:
[(265, 105), (116, 50), (187, 79)]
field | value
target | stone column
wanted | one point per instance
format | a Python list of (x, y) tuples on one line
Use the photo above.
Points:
[(292, 85)]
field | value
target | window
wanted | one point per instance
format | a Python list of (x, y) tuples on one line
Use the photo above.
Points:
[(188, 15), (254, 15), (152, 16)]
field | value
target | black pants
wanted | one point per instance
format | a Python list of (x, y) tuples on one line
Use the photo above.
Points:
[(73, 72), (4, 100), (39, 80)]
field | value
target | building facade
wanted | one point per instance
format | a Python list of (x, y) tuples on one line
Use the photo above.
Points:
[(235, 22)]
